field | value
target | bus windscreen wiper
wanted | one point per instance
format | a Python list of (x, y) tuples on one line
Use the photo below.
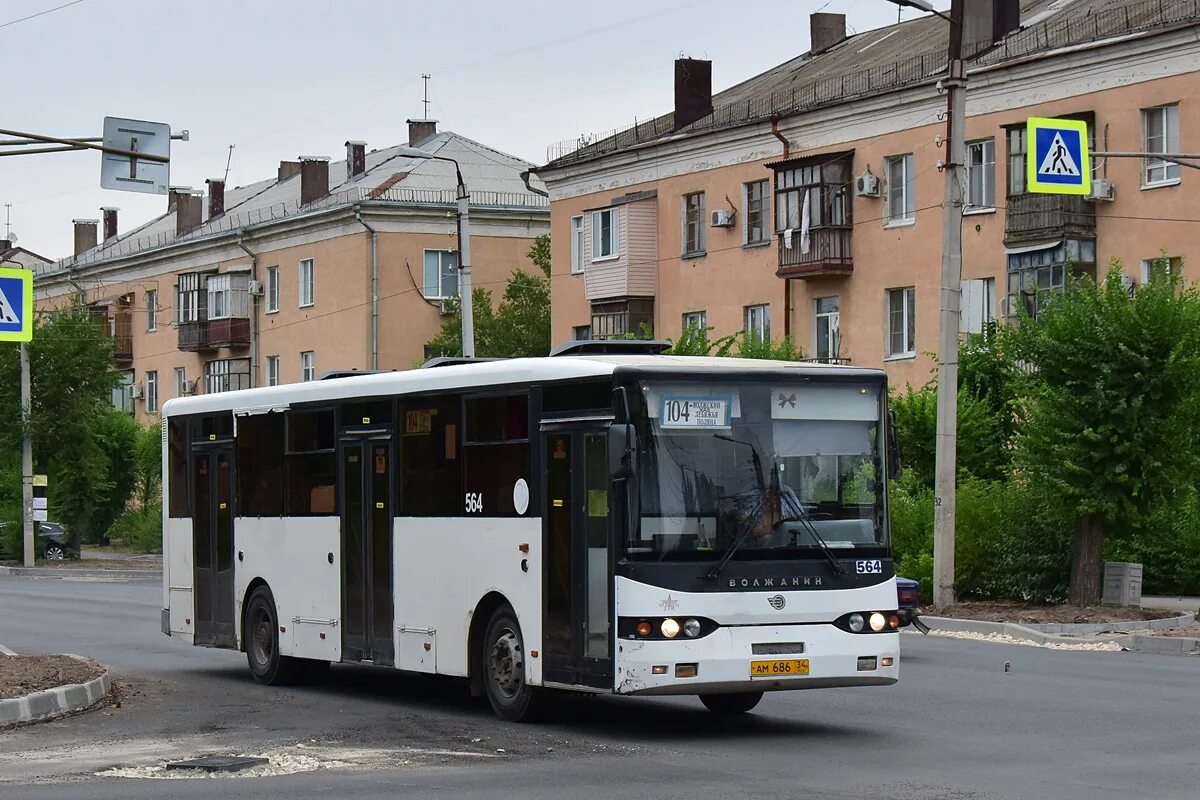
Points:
[(836, 565), (762, 488)]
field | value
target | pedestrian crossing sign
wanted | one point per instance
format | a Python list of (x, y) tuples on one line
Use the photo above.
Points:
[(16, 305), (1057, 160)]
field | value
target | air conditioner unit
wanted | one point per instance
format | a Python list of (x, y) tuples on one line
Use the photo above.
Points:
[(255, 288), (189, 387), (722, 218), (866, 185), (136, 391), (446, 307), (1129, 284), (1102, 189)]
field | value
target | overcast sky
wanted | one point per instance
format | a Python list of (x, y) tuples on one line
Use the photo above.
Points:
[(281, 78)]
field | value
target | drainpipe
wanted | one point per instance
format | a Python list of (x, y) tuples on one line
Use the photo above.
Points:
[(532, 189), (374, 286), (787, 147), (253, 316)]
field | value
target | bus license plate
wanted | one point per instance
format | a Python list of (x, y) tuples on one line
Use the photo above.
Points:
[(787, 666)]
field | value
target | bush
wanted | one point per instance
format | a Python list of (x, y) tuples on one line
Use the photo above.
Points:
[(1166, 543), (139, 529)]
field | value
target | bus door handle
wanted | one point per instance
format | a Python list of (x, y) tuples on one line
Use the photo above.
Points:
[(330, 557)]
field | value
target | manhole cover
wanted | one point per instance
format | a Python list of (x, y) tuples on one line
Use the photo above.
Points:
[(219, 763)]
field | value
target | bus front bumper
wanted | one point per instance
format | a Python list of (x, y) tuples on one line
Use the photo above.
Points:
[(725, 659)]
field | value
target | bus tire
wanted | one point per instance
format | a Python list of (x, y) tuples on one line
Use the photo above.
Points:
[(512, 699), (261, 633), (730, 704)]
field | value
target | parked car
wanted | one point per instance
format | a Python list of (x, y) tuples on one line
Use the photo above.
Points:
[(53, 542), (908, 594)]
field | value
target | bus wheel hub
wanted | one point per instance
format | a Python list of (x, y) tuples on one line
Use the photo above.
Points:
[(507, 664)]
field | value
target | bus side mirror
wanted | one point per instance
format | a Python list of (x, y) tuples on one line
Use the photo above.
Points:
[(621, 449), (893, 447)]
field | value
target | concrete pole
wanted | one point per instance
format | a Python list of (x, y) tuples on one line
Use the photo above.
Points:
[(464, 270), (26, 461), (946, 456)]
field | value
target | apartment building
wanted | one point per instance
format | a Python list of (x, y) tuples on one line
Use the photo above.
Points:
[(325, 266), (806, 201)]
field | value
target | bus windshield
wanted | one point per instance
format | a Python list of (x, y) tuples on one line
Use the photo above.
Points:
[(771, 468)]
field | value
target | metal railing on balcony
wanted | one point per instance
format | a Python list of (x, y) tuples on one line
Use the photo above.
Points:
[(828, 253), (1034, 217), (122, 335)]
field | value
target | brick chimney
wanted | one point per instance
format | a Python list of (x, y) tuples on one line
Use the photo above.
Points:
[(421, 131), (287, 169), (824, 31), (314, 178), (85, 234), (188, 211), (216, 197), (173, 193), (356, 159), (109, 214), (693, 91)]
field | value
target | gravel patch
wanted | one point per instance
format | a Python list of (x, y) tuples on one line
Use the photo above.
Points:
[(1001, 638), (22, 675)]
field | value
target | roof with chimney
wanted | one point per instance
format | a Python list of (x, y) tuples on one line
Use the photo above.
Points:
[(493, 180), (887, 59), (26, 258)]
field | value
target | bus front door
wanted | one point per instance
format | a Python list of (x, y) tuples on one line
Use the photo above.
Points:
[(366, 467), (212, 542), (578, 605)]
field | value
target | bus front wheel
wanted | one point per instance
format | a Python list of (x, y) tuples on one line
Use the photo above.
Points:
[(261, 635), (728, 704), (504, 656)]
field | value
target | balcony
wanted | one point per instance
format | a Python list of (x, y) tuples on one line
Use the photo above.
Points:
[(828, 256), (121, 327), (1039, 217), (213, 311)]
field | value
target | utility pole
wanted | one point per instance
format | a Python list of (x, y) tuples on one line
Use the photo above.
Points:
[(464, 268), (946, 455), (26, 461)]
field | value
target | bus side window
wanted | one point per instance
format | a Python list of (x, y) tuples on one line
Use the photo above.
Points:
[(310, 464), (495, 455), (178, 506), (260, 465), (430, 474)]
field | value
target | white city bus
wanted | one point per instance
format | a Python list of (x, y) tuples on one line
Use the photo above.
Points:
[(601, 520)]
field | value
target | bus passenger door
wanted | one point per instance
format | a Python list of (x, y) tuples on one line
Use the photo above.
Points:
[(366, 469), (577, 640), (212, 541)]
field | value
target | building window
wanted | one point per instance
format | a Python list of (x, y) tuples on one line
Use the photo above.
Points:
[(218, 297), (1033, 275), (307, 283), (693, 224), (151, 392), (902, 322), (981, 174), (582, 332), (122, 393), (828, 315), (819, 186), (272, 370), (181, 382), (613, 320), (187, 298), (1016, 161), (576, 245), (901, 193), (1160, 127), (226, 375), (606, 234), (272, 289), (308, 366), (151, 310), (758, 322), (441, 274), (978, 305), (757, 214), (697, 320), (1168, 265)]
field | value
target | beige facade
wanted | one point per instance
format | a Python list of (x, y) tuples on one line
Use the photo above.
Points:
[(840, 290), (241, 302)]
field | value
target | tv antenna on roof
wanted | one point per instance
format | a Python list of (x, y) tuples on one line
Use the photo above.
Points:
[(228, 161), (425, 101)]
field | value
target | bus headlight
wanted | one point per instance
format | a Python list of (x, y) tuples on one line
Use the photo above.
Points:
[(691, 628), (670, 628), (855, 622), (878, 621)]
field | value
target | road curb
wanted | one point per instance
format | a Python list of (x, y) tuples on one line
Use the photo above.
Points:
[(1165, 645), (1180, 621), (1008, 629), (58, 572), (55, 702)]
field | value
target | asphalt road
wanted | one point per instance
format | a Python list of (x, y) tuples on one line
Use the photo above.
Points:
[(1058, 725)]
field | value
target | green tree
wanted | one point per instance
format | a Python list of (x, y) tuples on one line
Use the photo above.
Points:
[(695, 341), (518, 326), (1110, 417)]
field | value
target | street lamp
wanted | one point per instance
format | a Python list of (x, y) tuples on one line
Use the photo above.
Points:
[(945, 455), (464, 247)]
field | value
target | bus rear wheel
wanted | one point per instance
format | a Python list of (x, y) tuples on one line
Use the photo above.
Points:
[(729, 704), (261, 635), (504, 656)]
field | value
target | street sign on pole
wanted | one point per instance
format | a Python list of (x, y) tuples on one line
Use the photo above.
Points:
[(1057, 160), (129, 174), (16, 305)]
